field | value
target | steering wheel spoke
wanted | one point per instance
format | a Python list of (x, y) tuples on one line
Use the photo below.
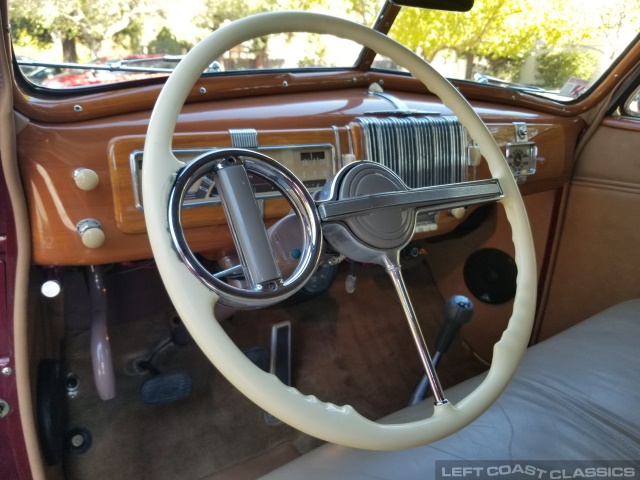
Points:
[(392, 265)]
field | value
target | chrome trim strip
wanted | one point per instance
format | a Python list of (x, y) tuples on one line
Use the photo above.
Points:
[(336, 161), (244, 137), (136, 178), (400, 108), (398, 104), (350, 137)]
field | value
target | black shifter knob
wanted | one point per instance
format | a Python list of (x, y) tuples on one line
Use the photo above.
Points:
[(458, 310)]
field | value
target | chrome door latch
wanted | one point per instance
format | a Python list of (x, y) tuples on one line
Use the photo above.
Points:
[(521, 154)]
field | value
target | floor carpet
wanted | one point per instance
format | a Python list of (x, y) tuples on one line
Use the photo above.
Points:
[(347, 348)]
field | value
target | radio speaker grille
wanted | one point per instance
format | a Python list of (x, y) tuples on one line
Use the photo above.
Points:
[(423, 151)]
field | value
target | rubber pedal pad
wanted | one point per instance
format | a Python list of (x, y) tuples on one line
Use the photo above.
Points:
[(166, 388)]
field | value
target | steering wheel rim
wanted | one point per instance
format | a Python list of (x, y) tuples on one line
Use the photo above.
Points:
[(194, 302)]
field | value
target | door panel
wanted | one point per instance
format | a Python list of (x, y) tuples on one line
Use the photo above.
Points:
[(598, 264)]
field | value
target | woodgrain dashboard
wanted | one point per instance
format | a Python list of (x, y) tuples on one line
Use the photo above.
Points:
[(49, 154)]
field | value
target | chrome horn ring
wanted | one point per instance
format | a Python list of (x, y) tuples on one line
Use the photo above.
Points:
[(229, 167)]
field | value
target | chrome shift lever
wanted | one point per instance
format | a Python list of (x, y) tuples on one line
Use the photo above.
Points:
[(458, 310)]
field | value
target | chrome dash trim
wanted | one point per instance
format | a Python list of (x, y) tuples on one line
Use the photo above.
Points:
[(434, 198), (244, 137)]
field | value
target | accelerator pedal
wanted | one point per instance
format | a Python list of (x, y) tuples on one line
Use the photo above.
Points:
[(280, 364)]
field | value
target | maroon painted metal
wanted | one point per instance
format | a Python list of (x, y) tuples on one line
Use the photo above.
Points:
[(14, 462)]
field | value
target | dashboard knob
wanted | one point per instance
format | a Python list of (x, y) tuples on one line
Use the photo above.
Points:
[(348, 158), (458, 213), (85, 178), (91, 233)]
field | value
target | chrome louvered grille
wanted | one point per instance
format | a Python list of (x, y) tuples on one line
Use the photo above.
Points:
[(423, 151)]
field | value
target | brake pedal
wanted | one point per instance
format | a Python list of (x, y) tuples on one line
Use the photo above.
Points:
[(166, 388)]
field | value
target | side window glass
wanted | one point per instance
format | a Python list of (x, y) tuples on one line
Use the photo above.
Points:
[(632, 105)]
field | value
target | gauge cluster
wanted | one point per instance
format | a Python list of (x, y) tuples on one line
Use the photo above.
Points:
[(313, 165)]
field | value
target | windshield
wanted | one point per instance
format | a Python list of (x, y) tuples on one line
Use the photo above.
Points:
[(545, 47), (73, 43), (557, 49)]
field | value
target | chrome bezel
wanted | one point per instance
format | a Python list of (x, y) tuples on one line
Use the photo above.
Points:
[(526, 153), (291, 189)]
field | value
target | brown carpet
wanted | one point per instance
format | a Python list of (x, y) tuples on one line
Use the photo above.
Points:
[(347, 348)]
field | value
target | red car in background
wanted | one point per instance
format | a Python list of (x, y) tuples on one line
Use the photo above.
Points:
[(109, 70)]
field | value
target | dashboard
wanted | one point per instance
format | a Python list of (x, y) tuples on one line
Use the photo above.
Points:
[(313, 134)]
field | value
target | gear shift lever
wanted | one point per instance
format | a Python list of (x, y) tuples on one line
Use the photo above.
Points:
[(458, 310)]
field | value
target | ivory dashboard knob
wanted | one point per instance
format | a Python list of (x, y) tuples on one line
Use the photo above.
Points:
[(91, 233), (86, 179), (458, 213)]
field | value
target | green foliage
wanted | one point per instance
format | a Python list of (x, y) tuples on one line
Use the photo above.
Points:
[(503, 67), (316, 53), (166, 42), (495, 38), (494, 29), (130, 37), (217, 12), (500, 33), (27, 31), (555, 68), (364, 11), (42, 22)]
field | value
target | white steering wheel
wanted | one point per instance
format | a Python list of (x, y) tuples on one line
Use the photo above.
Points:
[(194, 300)]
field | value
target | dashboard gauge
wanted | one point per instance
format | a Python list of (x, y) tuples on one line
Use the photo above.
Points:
[(313, 164), (200, 189)]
